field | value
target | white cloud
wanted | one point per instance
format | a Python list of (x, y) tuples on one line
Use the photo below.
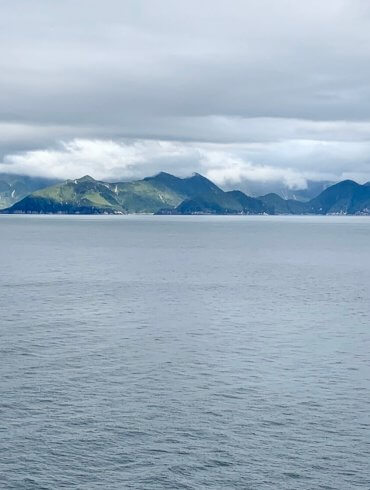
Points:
[(227, 170), (291, 162)]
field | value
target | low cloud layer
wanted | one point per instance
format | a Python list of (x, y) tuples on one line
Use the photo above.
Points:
[(257, 89), (225, 163)]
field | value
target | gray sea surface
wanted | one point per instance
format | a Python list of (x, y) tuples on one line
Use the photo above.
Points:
[(143, 352)]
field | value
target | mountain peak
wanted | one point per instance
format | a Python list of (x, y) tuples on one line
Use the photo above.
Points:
[(200, 184), (86, 178), (162, 177), (196, 175), (346, 183), (163, 174), (272, 195)]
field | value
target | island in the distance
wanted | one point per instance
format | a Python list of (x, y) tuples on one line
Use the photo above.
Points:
[(165, 194)]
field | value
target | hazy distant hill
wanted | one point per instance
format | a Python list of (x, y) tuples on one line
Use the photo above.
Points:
[(283, 206), (13, 188), (255, 189), (167, 194)]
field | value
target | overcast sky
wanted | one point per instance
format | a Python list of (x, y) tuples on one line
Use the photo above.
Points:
[(253, 89)]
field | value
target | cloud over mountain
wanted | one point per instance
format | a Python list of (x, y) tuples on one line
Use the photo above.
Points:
[(224, 163)]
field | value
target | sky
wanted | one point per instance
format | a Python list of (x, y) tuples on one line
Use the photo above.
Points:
[(238, 90)]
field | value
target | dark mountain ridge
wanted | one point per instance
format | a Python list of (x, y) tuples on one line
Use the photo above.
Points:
[(346, 197)]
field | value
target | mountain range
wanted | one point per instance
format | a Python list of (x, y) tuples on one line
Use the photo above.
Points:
[(166, 194)]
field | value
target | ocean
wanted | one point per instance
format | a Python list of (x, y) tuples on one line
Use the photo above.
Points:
[(174, 352)]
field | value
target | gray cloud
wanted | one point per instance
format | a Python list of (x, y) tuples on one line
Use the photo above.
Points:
[(283, 84)]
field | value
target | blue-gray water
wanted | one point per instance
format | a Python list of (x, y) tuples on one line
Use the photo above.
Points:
[(184, 352)]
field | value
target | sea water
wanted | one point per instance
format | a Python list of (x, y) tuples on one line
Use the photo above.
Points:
[(167, 352)]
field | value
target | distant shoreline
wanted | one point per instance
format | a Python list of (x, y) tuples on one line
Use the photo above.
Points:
[(105, 215)]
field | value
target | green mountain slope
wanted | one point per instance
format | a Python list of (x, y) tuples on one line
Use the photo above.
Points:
[(89, 196), (85, 196)]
